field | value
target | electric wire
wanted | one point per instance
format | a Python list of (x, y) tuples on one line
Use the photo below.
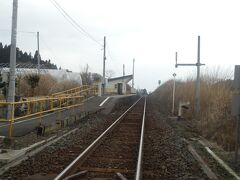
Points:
[(73, 22), (48, 48), (26, 32)]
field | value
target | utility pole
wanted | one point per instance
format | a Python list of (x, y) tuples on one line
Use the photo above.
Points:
[(123, 84), (11, 90), (236, 109), (104, 59), (198, 64), (197, 106), (174, 89), (38, 55), (133, 74)]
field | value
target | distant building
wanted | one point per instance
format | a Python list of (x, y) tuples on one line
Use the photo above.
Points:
[(119, 85), (59, 75)]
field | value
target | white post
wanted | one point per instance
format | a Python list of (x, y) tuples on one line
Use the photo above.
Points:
[(174, 85)]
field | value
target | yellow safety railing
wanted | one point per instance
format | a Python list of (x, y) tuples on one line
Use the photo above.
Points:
[(38, 107), (76, 91)]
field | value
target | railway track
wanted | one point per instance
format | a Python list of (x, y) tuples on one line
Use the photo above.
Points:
[(116, 153)]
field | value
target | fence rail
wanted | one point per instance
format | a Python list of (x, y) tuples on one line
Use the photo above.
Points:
[(24, 109)]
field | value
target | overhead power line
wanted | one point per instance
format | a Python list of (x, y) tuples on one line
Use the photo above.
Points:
[(109, 54), (73, 22), (26, 32)]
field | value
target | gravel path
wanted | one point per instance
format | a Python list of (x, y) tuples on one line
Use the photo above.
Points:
[(165, 153)]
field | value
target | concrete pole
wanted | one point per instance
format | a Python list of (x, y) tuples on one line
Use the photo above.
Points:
[(174, 89), (11, 90), (104, 59), (38, 55), (133, 73), (176, 58), (197, 105)]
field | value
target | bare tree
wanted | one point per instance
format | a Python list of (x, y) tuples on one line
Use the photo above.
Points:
[(110, 73), (32, 80), (86, 75), (96, 77)]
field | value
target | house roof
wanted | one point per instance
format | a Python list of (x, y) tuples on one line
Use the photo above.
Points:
[(128, 77)]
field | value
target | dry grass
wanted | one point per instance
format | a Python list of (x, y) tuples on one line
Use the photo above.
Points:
[(47, 86), (216, 122)]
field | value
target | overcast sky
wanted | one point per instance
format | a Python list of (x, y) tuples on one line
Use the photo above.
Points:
[(148, 30)]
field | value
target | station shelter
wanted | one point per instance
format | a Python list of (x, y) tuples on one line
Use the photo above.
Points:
[(119, 85)]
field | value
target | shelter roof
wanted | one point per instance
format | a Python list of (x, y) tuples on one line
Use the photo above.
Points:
[(125, 78)]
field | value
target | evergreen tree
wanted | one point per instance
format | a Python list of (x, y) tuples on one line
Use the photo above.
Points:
[(23, 57)]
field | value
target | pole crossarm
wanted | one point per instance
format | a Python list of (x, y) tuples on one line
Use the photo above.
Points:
[(196, 64)]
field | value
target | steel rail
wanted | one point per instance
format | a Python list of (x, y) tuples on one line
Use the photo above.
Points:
[(94, 145), (138, 175)]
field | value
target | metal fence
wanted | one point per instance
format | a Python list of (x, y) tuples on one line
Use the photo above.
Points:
[(37, 107)]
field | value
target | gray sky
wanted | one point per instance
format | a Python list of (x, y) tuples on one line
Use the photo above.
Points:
[(148, 30)]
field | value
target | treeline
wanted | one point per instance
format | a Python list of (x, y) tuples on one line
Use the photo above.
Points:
[(24, 57)]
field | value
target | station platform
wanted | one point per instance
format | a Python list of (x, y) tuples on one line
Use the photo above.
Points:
[(103, 104)]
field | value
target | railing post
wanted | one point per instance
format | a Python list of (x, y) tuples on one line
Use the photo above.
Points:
[(11, 120), (59, 112), (28, 108), (67, 101), (60, 102), (73, 99), (51, 101), (40, 109)]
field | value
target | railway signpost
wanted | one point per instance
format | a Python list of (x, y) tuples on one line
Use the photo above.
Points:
[(174, 90), (236, 107)]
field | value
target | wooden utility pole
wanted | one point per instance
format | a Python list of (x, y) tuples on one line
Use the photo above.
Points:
[(133, 74), (11, 90), (236, 108), (104, 59), (198, 64)]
